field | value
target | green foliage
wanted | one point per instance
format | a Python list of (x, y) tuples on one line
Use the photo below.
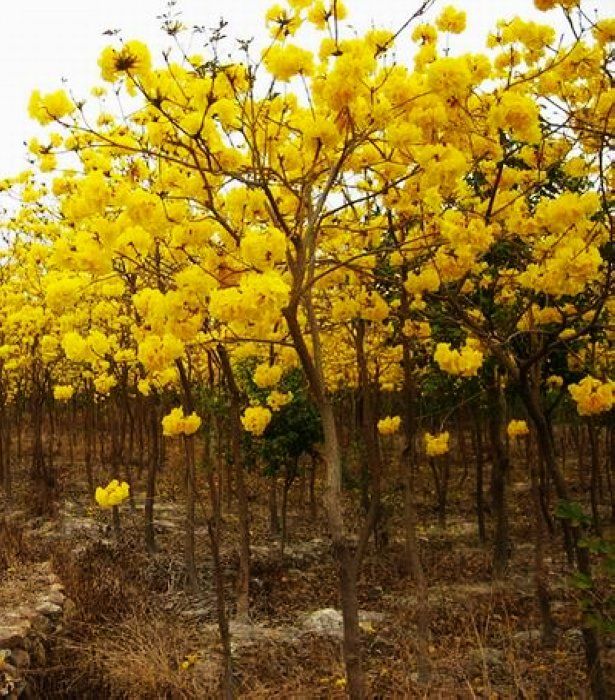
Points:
[(572, 511)]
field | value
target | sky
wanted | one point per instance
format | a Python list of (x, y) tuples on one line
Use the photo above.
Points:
[(48, 44)]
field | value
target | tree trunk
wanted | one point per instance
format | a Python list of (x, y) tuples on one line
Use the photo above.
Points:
[(480, 471), (152, 468), (540, 572), (501, 545)]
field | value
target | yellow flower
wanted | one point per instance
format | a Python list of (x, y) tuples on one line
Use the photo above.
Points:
[(48, 108), (175, 423), (63, 392), (517, 428), (436, 445), (284, 62), (451, 20), (389, 425), (593, 396), (277, 399), (554, 381), (133, 58), (114, 494), (266, 376), (464, 363), (255, 419)]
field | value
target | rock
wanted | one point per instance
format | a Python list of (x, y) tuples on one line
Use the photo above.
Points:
[(55, 597), (41, 623), (330, 622), (162, 525), (327, 621), (526, 636), (70, 610), (47, 607), (38, 653), (371, 616), (13, 635), (486, 655), (574, 635), (20, 658), (195, 613)]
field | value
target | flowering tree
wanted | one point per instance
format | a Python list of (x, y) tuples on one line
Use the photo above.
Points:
[(338, 213)]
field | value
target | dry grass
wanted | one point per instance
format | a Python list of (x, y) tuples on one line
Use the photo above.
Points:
[(141, 658)]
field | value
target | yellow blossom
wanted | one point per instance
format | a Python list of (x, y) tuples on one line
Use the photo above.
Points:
[(114, 494), (255, 419), (389, 425), (517, 428), (176, 423), (436, 445)]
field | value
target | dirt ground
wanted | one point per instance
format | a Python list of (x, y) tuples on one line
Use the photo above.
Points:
[(134, 632)]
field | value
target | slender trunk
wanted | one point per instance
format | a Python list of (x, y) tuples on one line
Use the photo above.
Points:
[(412, 552), (591, 638), (595, 469), (609, 467), (312, 487), (152, 468), (540, 572), (480, 470), (243, 579), (440, 471), (501, 545), (274, 519), (189, 483), (368, 428), (571, 533), (285, 489), (89, 441)]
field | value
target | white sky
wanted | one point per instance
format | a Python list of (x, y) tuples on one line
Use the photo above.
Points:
[(43, 42)]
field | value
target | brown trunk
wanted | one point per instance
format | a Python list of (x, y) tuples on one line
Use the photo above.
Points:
[(274, 519), (412, 551), (501, 544), (540, 572), (591, 638), (189, 483), (243, 579), (373, 459), (595, 470), (152, 468), (480, 472)]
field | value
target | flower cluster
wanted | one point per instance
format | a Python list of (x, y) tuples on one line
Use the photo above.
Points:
[(278, 399), (175, 423), (517, 428), (114, 494), (464, 363), (255, 419), (266, 376), (63, 392), (593, 396), (436, 445), (389, 425)]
